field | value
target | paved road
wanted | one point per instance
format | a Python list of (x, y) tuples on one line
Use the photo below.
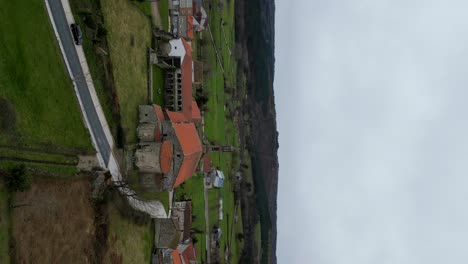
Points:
[(68, 44), (97, 129)]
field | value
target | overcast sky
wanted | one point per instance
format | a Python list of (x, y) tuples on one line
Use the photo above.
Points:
[(372, 103)]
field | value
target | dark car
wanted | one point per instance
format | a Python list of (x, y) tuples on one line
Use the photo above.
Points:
[(76, 32)]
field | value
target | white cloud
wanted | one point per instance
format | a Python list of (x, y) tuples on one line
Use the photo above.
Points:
[(373, 150)]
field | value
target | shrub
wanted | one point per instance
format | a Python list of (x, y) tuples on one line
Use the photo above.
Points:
[(17, 179), (8, 116), (101, 32)]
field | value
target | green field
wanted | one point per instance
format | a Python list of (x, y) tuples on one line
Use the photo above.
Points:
[(163, 197), (129, 36), (164, 13), (34, 82), (219, 128), (132, 242), (37, 100), (145, 7), (158, 83), (4, 225)]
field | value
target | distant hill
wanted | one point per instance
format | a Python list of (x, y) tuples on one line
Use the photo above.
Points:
[(255, 47)]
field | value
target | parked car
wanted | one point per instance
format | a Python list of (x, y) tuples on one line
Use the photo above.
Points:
[(76, 32)]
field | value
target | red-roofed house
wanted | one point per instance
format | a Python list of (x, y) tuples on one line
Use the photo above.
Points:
[(182, 215), (192, 149), (175, 257), (187, 253), (196, 114), (187, 17), (167, 163), (178, 79)]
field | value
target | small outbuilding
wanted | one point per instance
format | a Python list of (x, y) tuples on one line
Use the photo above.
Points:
[(182, 216), (217, 178), (166, 234)]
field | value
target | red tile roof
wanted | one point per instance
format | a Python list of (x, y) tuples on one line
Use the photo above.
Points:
[(176, 117), (190, 27), (192, 149), (165, 157), (188, 254), (176, 257), (186, 69), (159, 112), (157, 134), (187, 220), (196, 114)]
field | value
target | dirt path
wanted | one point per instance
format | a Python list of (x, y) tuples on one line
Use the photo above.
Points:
[(156, 17), (39, 161), (207, 225)]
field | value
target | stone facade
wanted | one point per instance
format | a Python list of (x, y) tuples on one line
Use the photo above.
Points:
[(165, 233), (147, 158), (182, 215)]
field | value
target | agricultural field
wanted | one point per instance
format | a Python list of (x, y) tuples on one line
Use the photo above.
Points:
[(129, 37), (128, 242), (53, 226), (38, 104), (217, 51)]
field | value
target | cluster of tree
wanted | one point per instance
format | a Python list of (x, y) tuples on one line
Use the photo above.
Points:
[(17, 178), (97, 27), (201, 97)]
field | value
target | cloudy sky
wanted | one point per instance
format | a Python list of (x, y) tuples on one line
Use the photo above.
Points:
[(372, 102)]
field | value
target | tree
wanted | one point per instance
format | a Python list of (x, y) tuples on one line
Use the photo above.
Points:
[(89, 20), (101, 32), (196, 231), (202, 98), (17, 179)]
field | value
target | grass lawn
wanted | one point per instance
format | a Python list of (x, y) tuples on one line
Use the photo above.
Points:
[(4, 225), (237, 246), (145, 7), (164, 13), (128, 242), (34, 84), (158, 85), (129, 36), (163, 197), (258, 240), (220, 129)]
